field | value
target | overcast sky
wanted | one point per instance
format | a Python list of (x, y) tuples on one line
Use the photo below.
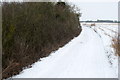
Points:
[(98, 10)]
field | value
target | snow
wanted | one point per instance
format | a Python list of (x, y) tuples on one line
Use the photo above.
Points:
[(86, 56), (109, 32)]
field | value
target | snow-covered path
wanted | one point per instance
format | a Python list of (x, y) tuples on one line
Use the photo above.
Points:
[(83, 57)]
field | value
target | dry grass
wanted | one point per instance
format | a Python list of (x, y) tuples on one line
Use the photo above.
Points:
[(116, 46), (93, 24)]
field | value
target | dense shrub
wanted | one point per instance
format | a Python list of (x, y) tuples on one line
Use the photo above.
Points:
[(32, 30)]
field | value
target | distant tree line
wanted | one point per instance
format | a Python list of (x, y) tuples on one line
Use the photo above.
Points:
[(108, 21), (31, 30)]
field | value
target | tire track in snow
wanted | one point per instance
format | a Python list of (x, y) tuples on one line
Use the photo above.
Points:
[(108, 55), (108, 49)]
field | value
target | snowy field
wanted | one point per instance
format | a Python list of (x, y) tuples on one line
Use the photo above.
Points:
[(90, 55)]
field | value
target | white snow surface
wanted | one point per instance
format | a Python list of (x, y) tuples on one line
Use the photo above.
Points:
[(86, 56)]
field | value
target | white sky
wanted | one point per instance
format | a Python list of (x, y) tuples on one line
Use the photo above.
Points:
[(97, 9), (92, 0)]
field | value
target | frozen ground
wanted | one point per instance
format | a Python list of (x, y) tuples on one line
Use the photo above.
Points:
[(89, 55)]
